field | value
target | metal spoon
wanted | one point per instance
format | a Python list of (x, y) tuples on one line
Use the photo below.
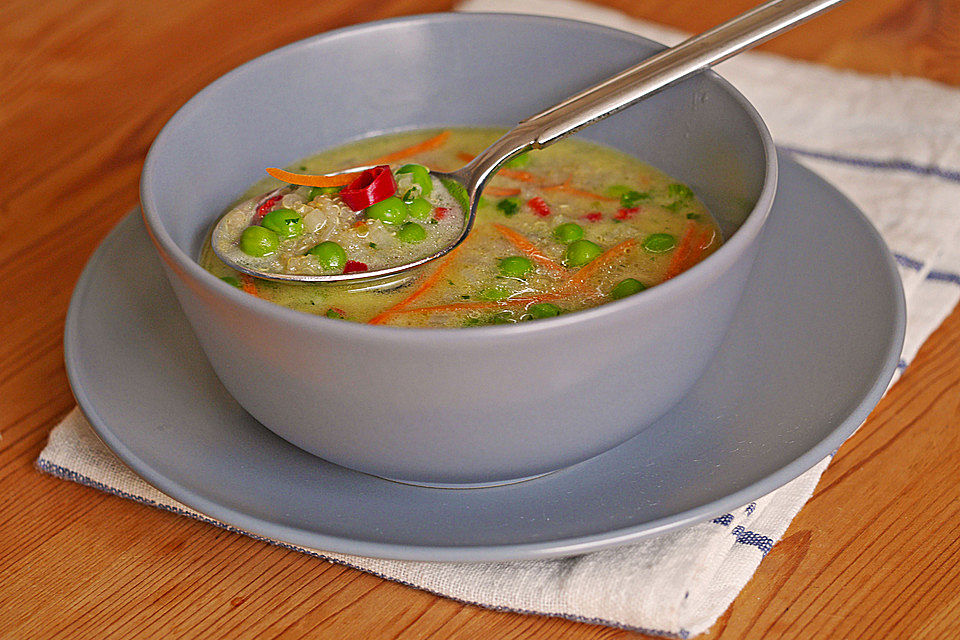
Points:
[(589, 106)]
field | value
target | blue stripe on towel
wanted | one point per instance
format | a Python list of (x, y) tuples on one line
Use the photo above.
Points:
[(764, 543), (950, 175), (916, 265), (908, 262), (944, 276)]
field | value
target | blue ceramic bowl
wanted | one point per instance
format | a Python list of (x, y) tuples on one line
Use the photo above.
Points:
[(461, 406)]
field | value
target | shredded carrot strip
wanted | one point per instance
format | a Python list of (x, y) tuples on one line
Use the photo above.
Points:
[(579, 279), (425, 286), (513, 174), (501, 192), (427, 145), (679, 258), (692, 245), (531, 251), (566, 187), (248, 284), (338, 180)]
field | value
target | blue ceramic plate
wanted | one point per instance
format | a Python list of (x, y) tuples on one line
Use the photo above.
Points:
[(815, 342)]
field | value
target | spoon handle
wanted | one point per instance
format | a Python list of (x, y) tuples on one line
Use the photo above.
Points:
[(668, 66)]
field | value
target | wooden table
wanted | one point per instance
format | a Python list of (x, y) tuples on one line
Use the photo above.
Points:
[(84, 88)]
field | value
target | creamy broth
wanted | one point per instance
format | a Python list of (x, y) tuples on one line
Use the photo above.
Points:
[(558, 230)]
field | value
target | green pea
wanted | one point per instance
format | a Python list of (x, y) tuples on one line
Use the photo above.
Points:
[(515, 266), (232, 281), (411, 232), (420, 175), (626, 288), (315, 192), (509, 206), (520, 161), (659, 242), (390, 210), (568, 232), (259, 242), (331, 256), (580, 252), (543, 310), (494, 294), (420, 209), (286, 223)]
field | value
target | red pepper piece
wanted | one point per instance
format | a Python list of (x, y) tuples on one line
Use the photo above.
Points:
[(266, 207), (593, 216), (625, 213), (539, 207), (370, 187), (440, 213), (352, 266)]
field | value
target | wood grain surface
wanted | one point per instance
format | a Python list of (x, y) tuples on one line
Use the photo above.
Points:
[(84, 88)]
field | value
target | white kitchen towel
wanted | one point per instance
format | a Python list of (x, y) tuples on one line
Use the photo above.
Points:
[(893, 146)]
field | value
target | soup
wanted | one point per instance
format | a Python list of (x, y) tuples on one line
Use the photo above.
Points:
[(558, 230)]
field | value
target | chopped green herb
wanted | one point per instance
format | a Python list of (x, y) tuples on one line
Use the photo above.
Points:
[(372, 245), (335, 313), (509, 206), (501, 317), (630, 198), (679, 191), (693, 216), (230, 280)]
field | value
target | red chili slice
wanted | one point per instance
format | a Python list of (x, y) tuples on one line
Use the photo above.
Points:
[(352, 266), (593, 216), (539, 207), (440, 213), (625, 213), (266, 207), (370, 187)]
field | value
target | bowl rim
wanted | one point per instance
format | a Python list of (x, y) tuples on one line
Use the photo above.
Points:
[(190, 270)]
